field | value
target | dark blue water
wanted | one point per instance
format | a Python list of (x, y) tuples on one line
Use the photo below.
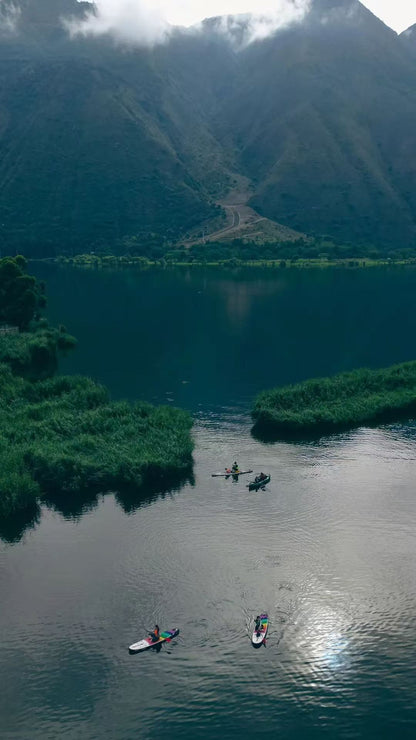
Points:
[(328, 549)]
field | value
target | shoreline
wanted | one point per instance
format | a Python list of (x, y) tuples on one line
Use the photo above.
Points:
[(108, 261), (63, 440)]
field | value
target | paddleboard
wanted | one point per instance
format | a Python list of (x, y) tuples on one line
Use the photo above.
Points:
[(147, 643), (258, 637), (230, 472)]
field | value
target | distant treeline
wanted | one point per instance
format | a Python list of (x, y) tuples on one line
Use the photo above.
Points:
[(289, 251), (342, 401), (239, 250), (311, 247)]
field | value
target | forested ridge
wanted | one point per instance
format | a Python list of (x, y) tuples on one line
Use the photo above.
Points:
[(104, 146)]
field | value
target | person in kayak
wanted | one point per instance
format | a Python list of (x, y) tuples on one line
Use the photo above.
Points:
[(155, 635), (257, 626), (259, 478), (235, 467)]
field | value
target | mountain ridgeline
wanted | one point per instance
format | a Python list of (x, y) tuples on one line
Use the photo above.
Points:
[(103, 143)]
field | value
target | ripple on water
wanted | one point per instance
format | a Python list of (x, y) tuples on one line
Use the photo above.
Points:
[(327, 550)]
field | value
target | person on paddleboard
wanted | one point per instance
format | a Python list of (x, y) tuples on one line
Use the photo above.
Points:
[(155, 635), (258, 626)]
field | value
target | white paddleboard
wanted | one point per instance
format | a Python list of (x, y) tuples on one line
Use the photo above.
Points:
[(147, 643), (259, 636)]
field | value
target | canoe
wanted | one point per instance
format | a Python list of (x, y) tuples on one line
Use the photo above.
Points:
[(147, 643), (258, 637), (231, 472), (255, 485)]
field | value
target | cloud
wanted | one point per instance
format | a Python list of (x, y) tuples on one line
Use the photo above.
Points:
[(9, 17), (144, 22), (249, 27), (129, 21), (342, 13)]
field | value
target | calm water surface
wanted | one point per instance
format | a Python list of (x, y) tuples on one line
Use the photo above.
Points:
[(328, 549)]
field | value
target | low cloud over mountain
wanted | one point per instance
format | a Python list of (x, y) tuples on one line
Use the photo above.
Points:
[(130, 21), (144, 21), (9, 17)]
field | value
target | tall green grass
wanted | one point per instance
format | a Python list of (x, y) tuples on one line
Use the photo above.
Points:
[(63, 435), (34, 354), (342, 401)]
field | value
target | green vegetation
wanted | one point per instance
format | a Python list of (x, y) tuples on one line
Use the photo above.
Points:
[(214, 257), (34, 354), (306, 116), (21, 295), (314, 250), (60, 437), (63, 434), (343, 401)]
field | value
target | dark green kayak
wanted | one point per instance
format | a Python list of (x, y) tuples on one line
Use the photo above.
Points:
[(256, 484)]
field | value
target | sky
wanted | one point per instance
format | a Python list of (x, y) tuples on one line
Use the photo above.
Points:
[(398, 14)]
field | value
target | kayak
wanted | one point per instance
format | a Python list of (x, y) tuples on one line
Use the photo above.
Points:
[(231, 472), (147, 643), (255, 485), (259, 639)]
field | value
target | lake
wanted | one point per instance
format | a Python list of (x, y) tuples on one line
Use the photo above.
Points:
[(328, 549)]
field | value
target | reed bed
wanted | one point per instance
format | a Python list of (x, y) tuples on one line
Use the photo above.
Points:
[(34, 354), (342, 401), (64, 435)]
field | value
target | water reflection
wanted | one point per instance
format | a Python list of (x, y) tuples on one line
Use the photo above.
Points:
[(13, 528), (131, 499), (323, 641), (387, 421), (75, 504), (240, 296)]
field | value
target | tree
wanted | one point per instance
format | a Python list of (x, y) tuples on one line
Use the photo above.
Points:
[(21, 295)]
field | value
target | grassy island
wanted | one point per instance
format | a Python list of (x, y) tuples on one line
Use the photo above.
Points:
[(343, 401), (61, 438)]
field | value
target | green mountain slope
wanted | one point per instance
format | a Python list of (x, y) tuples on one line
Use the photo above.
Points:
[(99, 141), (96, 143), (324, 125), (83, 163)]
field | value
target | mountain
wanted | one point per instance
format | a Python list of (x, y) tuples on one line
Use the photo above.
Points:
[(102, 141), (409, 37), (96, 143), (323, 120)]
